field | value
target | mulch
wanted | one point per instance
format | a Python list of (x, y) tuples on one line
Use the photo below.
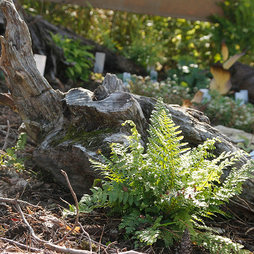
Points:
[(46, 201)]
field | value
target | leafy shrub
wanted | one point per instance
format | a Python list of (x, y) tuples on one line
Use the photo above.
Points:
[(161, 191), (236, 26), (228, 112), (182, 83), (165, 38), (169, 90), (190, 75), (75, 53)]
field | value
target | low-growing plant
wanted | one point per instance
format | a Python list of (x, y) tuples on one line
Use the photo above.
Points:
[(190, 75), (246, 144), (168, 89), (77, 54), (182, 83), (226, 111), (161, 191), (10, 158)]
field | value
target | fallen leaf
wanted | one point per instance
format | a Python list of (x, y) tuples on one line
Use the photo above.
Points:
[(198, 97), (29, 211), (187, 103), (224, 51), (221, 79), (232, 60)]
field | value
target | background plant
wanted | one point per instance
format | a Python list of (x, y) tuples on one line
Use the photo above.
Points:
[(161, 191), (77, 54), (168, 89), (246, 144), (166, 40), (176, 39), (10, 158), (182, 83), (236, 26), (226, 111)]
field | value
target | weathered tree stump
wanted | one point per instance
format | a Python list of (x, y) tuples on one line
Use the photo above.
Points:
[(70, 128)]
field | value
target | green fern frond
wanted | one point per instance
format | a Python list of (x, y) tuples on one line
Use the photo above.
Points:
[(219, 244), (164, 189)]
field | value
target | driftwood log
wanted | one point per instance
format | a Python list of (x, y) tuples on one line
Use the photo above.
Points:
[(69, 128)]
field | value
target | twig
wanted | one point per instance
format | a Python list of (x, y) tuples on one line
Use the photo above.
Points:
[(245, 203), (7, 136), (87, 235), (77, 210), (108, 247), (20, 245), (101, 236), (18, 6), (241, 205), (47, 244), (14, 201), (95, 242)]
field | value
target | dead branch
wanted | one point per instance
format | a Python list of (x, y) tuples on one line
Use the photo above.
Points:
[(14, 201), (47, 244), (77, 211), (20, 245)]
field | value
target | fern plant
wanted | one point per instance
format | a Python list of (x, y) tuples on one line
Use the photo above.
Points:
[(164, 189)]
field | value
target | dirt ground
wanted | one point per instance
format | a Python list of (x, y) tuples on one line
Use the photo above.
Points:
[(46, 201)]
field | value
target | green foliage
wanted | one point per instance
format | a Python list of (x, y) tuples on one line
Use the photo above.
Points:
[(168, 89), (228, 112), (236, 26), (10, 158), (246, 145), (161, 191), (190, 76), (77, 54), (182, 83), (145, 39), (219, 244), (169, 40)]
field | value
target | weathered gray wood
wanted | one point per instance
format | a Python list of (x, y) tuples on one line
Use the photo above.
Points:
[(37, 103), (71, 128)]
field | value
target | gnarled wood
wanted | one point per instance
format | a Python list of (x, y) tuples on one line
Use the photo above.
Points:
[(37, 103)]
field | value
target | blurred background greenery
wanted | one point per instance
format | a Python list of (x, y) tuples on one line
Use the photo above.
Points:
[(150, 39), (181, 50)]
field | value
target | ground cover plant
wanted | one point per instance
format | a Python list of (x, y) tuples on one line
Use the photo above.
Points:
[(181, 83), (10, 158), (167, 188), (224, 110), (168, 89)]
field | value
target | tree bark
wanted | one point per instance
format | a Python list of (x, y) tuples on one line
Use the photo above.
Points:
[(70, 128), (38, 104)]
